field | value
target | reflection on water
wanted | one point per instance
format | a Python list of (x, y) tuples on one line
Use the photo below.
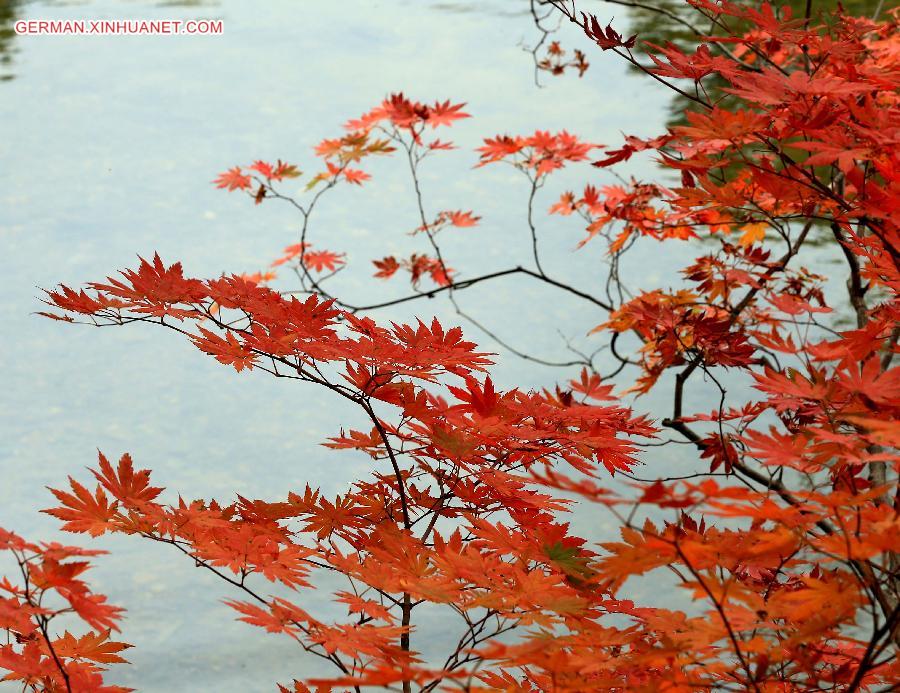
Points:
[(9, 13), (662, 21)]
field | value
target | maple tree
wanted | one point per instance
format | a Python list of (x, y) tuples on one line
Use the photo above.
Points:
[(785, 536), (49, 586)]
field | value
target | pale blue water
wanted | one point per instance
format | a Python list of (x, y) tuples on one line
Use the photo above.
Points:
[(109, 147)]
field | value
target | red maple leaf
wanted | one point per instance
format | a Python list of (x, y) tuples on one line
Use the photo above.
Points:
[(233, 179)]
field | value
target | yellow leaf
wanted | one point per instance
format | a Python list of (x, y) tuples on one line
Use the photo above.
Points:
[(753, 233)]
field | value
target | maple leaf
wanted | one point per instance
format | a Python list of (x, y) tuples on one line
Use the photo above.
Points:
[(605, 38), (445, 113), (793, 305), (256, 278), (371, 443), (227, 350), (386, 267), (695, 67), (96, 647), (480, 399), (321, 260), (289, 253), (570, 561), (17, 616), (329, 147), (126, 485), (83, 512), (80, 302), (438, 144), (867, 380), (233, 179), (262, 167), (720, 451), (298, 687), (284, 170), (155, 289), (275, 619), (499, 148), (366, 607), (93, 609), (590, 385), (565, 206), (753, 233), (461, 219), (355, 176)]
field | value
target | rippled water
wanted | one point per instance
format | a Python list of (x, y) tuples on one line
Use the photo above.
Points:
[(108, 149)]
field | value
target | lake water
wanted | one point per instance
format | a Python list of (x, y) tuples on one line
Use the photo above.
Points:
[(109, 147)]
